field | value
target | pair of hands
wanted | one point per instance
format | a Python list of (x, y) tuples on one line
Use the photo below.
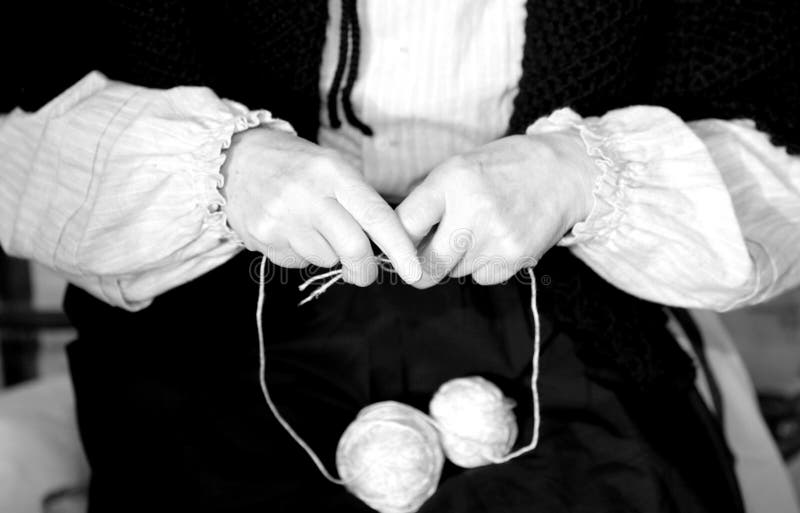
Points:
[(487, 213)]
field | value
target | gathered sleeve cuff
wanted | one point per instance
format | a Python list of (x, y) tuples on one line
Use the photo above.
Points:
[(664, 225), (118, 187)]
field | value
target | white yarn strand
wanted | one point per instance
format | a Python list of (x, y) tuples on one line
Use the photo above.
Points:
[(486, 455), (308, 282), (332, 278), (262, 375), (319, 291), (534, 376)]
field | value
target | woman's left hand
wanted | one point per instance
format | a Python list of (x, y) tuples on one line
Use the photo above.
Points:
[(499, 207)]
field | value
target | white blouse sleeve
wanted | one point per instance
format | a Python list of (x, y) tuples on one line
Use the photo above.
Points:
[(702, 215), (117, 187)]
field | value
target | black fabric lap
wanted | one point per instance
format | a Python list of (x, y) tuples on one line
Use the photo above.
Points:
[(178, 417)]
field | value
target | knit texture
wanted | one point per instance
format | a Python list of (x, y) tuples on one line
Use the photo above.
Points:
[(699, 58)]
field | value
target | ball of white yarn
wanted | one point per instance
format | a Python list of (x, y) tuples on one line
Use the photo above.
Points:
[(390, 457), (476, 422)]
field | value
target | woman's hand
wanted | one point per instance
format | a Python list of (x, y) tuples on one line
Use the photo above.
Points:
[(499, 207), (299, 203)]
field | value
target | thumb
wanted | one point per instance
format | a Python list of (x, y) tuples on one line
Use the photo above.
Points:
[(421, 211)]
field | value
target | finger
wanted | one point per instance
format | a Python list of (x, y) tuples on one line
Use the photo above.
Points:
[(378, 219), (284, 256), (499, 269), (420, 211), (494, 273), (313, 247), (471, 262), (446, 248), (349, 242)]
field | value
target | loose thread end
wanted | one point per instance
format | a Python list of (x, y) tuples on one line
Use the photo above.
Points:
[(333, 277)]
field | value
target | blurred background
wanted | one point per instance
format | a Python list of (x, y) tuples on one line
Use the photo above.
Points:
[(33, 329)]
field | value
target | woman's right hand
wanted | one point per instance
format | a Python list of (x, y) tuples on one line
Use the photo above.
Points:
[(299, 203)]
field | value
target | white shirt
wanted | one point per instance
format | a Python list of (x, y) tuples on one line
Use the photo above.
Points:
[(117, 186), (436, 84)]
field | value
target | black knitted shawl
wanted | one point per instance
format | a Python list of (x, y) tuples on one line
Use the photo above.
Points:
[(699, 58)]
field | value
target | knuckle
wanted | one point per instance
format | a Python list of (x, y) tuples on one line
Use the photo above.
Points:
[(294, 192), (324, 163), (512, 247), (484, 204), (375, 212), (267, 230), (507, 236)]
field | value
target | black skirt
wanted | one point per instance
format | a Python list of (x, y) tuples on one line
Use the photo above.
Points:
[(173, 419)]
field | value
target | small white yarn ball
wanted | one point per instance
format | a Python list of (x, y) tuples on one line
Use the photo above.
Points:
[(476, 422), (390, 457)]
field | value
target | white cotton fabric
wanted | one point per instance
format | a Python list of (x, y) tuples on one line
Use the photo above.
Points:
[(117, 186), (668, 226), (436, 79)]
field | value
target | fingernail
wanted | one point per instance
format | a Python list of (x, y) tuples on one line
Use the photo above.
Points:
[(416, 272), (411, 271)]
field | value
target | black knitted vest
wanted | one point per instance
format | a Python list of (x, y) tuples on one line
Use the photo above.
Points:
[(713, 58)]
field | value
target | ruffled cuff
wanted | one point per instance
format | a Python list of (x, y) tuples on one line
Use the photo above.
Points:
[(211, 179), (148, 214), (617, 171), (663, 226), (118, 187)]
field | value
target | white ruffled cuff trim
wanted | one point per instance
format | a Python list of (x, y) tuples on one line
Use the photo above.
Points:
[(212, 180), (618, 168)]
